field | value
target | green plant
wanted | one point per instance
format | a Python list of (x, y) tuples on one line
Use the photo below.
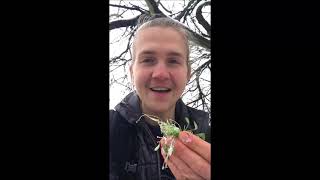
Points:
[(170, 130)]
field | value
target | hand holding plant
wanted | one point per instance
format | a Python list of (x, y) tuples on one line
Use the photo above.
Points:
[(191, 158), (187, 155)]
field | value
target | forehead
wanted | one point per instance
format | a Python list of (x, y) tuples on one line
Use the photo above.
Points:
[(160, 39)]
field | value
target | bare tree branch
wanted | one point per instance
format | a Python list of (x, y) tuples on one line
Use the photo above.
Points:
[(200, 68), (196, 100), (195, 24), (199, 40), (201, 95), (142, 9), (205, 80), (184, 11), (126, 50), (123, 23), (201, 19), (126, 7), (153, 7), (165, 8)]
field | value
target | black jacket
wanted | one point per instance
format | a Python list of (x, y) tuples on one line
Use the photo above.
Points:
[(132, 144)]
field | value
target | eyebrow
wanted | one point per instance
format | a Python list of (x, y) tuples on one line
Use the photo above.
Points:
[(175, 54), (147, 52), (171, 53)]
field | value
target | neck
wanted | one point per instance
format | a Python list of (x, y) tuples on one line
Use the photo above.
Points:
[(164, 116)]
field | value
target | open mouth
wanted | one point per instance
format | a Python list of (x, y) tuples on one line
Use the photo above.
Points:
[(160, 89)]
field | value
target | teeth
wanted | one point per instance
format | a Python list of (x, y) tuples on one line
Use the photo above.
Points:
[(160, 89)]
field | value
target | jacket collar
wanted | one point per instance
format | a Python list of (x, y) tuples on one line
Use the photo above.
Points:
[(129, 107)]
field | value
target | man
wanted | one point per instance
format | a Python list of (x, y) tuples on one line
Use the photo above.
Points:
[(160, 70)]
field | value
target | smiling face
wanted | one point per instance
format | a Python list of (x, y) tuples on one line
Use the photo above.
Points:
[(159, 72)]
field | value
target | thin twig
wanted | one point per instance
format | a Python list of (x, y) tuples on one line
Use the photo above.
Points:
[(126, 7)]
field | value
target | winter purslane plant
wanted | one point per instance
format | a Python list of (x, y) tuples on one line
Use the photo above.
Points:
[(170, 130)]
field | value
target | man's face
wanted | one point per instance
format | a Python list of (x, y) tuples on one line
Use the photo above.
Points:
[(160, 70)]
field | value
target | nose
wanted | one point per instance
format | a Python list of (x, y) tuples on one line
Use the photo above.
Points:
[(160, 72)]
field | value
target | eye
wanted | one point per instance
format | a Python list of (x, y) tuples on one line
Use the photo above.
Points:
[(147, 60), (174, 61)]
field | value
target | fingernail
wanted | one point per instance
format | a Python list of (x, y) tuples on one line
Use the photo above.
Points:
[(185, 137)]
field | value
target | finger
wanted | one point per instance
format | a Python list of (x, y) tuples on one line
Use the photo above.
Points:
[(196, 144), (197, 163), (175, 171), (180, 169)]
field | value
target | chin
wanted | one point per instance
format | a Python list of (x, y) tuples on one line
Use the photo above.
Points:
[(159, 107)]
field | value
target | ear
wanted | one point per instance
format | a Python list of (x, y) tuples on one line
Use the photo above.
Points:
[(131, 73)]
